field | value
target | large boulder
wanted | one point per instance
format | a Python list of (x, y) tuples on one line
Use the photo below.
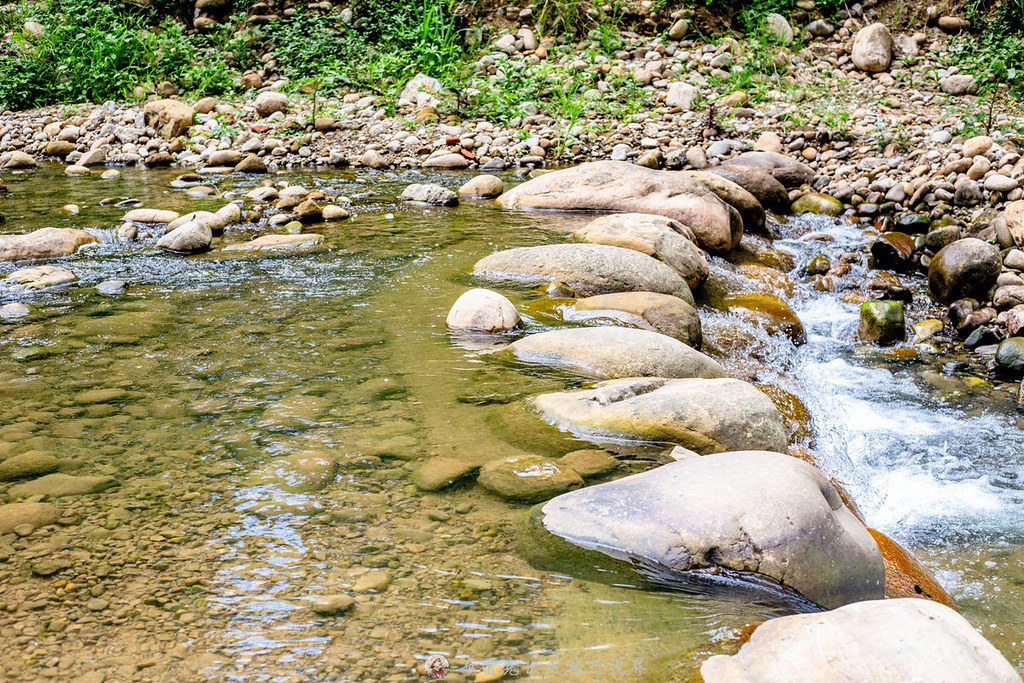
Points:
[(788, 171), (43, 243), (769, 192), (872, 48), (703, 415), (877, 640), (620, 186), (187, 238), (609, 352), (664, 313), (665, 239), (736, 196), (882, 322), (748, 511), (170, 118), (270, 102), (967, 268), (588, 269), (482, 310)]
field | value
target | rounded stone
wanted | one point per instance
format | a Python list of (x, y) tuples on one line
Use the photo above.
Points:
[(966, 268), (528, 478), (483, 310)]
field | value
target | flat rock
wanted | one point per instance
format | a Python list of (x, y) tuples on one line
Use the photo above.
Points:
[(625, 187), (41, 277), (664, 313), (589, 269), (610, 352), (876, 640), (43, 243), (278, 243), (32, 515), (703, 415), (429, 193), (665, 239), (788, 171), (150, 216), (528, 478), (58, 485), (28, 464), (748, 511), (297, 473), (440, 472), (590, 462)]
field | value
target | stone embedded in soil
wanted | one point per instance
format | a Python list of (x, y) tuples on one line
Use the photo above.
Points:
[(332, 604), (28, 464), (59, 485), (440, 472), (746, 511), (882, 322), (666, 314), (905, 576), (590, 462), (966, 268), (528, 478), (876, 640), (609, 352), (667, 240), (589, 269), (43, 243), (872, 48), (32, 515), (620, 186), (482, 310), (703, 415)]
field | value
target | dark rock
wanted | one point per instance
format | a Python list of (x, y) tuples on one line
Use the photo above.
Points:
[(965, 268), (894, 251)]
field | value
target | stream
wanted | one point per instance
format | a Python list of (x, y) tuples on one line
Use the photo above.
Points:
[(186, 389)]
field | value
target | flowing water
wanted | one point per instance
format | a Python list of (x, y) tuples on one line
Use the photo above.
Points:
[(192, 387)]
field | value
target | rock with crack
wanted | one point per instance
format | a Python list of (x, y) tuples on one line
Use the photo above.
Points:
[(608, 352), (589, 269), (703, 415), (665, 239), (751, 512), (621, 186), (876, 640)]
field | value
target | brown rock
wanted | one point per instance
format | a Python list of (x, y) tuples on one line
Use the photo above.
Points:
[(170, 118), (905, 576), (43, 243)]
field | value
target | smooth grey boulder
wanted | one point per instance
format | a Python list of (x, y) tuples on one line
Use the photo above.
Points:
[(736, 196), (872, 48), (621, 186), (703, 415), (748, 511), (665, 239), (588, 269), (187, 238), (609, 352), (786, 170), (876, 641)]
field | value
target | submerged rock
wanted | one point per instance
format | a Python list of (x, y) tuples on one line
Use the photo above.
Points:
[(620, 186), (667, 240), (43, 243), (664, 313), (28, 464), (30, 515), (529, 478), (297, 473), (882, 322), (609, 352), (588, 269), (748, 511), (877, 640), (440, 472), (58, 485), (482, 310), (703, 415), (590, 462)]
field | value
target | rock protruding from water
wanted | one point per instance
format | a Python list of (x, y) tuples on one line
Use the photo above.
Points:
[(967, 268), (610, 352), (769, 311), (905, 576), (483, 187), (665, 239), (482, 310), (877, 640), (278, 243), (664, 313), (747, 511), (40, 277), (429, 193), (187, 238), (529, 478), (589, 269), (620, 186), (882, 322), (43, 243), (703, 415)]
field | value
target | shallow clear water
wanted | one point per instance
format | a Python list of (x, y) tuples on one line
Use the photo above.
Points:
[(201, 565)]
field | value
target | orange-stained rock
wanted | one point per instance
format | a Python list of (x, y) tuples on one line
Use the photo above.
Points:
[(796, 419), (905, 576), (807, 455), (771, 311), (771, 279)]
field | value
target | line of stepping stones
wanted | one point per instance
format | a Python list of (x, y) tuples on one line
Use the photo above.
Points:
[(735, 502)]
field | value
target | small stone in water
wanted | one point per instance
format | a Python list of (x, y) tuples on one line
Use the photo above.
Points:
[(112, 287), (332, 604)]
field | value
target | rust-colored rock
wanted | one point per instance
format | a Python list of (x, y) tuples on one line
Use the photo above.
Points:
[(769, 310), (905, 576), (796, 419)]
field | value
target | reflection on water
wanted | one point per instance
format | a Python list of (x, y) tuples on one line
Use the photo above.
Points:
[(200, 565)]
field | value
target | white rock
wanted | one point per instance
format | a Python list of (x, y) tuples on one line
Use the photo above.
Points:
[(483, 310)]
